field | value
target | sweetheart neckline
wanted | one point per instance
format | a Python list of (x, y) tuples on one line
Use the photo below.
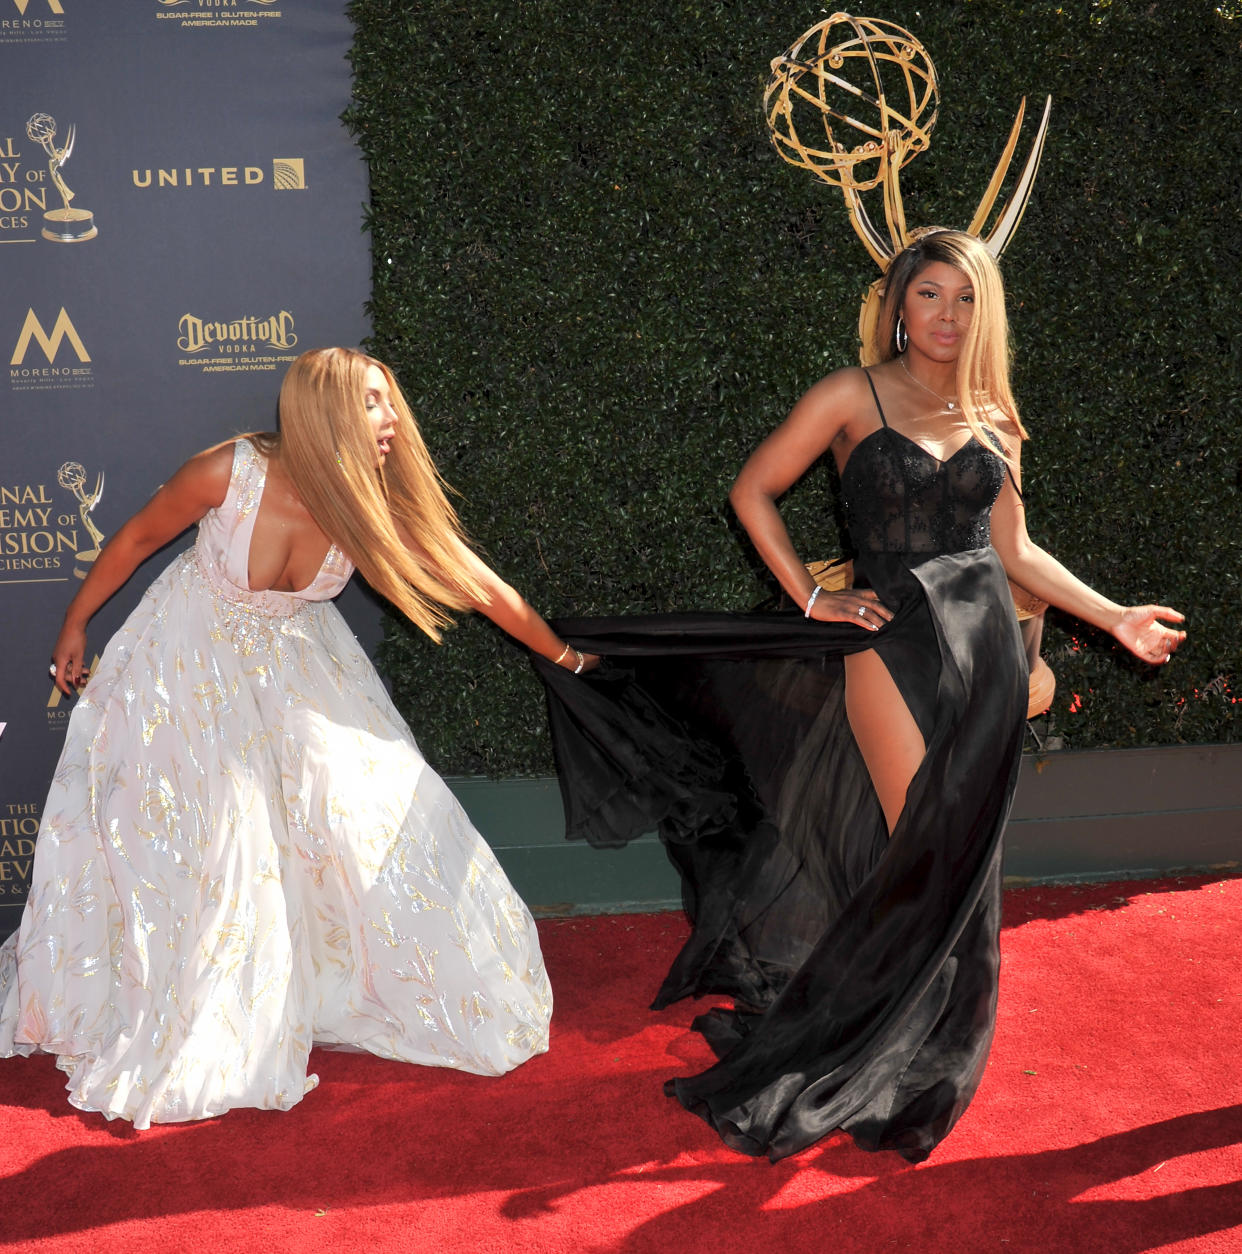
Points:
[(942, 462)]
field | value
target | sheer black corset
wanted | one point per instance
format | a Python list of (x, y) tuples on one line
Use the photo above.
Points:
[(901, 499)]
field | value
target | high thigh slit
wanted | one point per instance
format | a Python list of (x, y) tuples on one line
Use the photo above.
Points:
[(862, 966), (884, 730)]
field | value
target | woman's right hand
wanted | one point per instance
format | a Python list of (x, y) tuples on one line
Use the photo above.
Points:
[(851, 605), (201, 484), (68, 657)]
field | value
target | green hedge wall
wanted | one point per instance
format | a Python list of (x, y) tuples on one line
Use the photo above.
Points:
[(601, 287)]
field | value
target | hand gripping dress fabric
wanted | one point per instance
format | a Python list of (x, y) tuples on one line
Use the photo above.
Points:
[(862, 968), (243, 853)]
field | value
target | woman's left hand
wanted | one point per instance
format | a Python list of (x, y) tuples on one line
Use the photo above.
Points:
[(1141, 631), (576, 660)]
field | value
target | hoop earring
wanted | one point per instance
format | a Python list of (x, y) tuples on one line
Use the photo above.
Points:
[(900, 335)]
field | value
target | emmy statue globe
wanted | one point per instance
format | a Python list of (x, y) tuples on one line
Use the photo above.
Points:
[(65, 225)]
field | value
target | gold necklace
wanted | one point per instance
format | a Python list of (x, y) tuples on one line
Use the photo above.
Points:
[(944, 400)]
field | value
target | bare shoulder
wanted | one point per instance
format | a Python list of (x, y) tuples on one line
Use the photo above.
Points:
[(1007, 429), (215, 465), (845, 387), (217, 458), (204, 479), (834, 399)]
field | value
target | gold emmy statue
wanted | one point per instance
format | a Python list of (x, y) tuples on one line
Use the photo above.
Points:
[(72, 477), (65, 225), (875, 84)]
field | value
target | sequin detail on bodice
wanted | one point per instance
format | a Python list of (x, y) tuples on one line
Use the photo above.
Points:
[(899, 498), (222, 550)]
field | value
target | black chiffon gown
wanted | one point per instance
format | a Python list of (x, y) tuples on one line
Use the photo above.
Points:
[(862, 968)]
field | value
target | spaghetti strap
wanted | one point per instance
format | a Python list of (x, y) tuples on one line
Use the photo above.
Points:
[(879, 408), (999, 449)]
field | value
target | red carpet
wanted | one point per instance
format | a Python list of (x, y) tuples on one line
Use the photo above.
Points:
[(1110, 1119)]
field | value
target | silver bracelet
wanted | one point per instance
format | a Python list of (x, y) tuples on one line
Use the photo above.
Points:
[(806, 613), (581, 663)]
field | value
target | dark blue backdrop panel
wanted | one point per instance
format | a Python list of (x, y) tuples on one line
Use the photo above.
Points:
[(202, 227)]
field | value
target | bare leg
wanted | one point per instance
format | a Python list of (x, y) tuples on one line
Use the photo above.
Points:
[(887, 736)]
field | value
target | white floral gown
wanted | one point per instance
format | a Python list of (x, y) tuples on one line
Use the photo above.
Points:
[(243, 852)]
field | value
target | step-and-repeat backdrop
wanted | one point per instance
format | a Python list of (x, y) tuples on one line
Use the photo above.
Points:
[(180, 216)]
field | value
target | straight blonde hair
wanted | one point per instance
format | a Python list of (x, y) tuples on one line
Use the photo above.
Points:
[(327, 446), (983, 365)]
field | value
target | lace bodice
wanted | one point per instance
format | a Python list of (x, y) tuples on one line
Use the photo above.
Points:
[(899, 498), (222, 549)]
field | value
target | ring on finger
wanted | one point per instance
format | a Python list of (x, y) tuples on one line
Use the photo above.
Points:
[(862, 611), (51, 670)]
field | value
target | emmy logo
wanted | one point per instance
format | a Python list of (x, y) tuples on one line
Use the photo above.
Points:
[(72, 477), (63, 226)]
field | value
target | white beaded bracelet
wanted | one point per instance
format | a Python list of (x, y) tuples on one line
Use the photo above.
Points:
[(581, 663), (806, 613)]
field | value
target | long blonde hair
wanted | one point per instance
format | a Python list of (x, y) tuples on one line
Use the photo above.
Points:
[(983, 365), (327, 446)]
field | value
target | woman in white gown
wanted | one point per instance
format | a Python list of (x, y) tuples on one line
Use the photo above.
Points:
[(243, 852)]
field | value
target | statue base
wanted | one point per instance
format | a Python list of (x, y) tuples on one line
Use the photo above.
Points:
[(69, 226)]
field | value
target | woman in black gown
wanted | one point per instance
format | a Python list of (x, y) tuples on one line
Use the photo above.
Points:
[(832, 785)]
